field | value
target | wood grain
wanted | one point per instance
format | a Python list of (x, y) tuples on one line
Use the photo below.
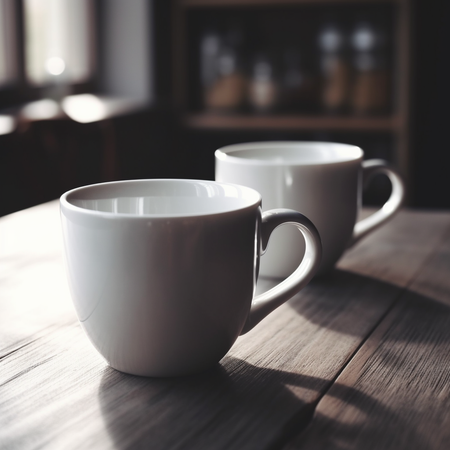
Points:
[(56, 392), (395, 393), (34, 296)]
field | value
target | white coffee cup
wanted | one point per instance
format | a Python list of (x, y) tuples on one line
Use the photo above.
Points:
[(322, 180), (163, 272)]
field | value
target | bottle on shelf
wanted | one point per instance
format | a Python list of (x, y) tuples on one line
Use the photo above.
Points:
[(209, 55), (224, 82), (335, 68), (370, 92), (263, 89)]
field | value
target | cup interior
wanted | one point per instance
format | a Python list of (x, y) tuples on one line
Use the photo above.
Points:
[(292, 153), (160, 197)]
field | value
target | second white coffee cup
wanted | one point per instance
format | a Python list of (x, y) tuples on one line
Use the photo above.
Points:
[(322, 180)]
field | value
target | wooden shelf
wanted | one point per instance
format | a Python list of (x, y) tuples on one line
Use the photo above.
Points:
[(190, 14), (291, 122), (234, 3)]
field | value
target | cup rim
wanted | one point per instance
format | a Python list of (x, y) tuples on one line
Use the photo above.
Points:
[(253, 199), (226, 153)]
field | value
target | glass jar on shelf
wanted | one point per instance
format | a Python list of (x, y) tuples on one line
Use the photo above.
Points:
[(335, 68), (263, 90), (224, 83), (370, 93)]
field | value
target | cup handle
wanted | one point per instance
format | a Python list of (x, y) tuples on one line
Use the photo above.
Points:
[(387, 211), (266, 302)]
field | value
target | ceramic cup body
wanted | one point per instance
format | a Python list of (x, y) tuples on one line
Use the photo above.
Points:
[(319, 179), (162, 272)]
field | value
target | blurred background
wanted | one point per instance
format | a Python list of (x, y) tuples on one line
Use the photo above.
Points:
[(100, 90)]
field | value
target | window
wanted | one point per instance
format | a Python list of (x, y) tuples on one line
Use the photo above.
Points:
[(58, 41), (43, 43), (8, 62)]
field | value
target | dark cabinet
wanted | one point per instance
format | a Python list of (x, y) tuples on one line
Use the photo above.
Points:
[(293, 69)]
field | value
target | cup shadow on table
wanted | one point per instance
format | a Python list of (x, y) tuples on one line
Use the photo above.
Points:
[(361, 297), (407, 401), (235, 405), (239, 405)]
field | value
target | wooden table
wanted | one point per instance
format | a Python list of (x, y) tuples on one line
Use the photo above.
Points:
[(358, 360)]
